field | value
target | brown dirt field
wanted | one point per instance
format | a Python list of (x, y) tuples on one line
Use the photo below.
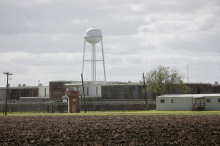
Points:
[(110, 130)]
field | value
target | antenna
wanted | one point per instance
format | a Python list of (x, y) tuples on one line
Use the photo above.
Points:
[(188, 73)]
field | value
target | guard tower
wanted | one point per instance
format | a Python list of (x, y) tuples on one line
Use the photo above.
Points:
[(73, 91)]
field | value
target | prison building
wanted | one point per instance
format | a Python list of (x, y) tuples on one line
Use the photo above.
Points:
[(15, 93), (125, 91)]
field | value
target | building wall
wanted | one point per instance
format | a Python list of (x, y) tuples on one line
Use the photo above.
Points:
[(124, 92), (215, 89), (24, 92), (214, 105), (185, 103), (73, 100), (181, 104), (2, 95), (91, 90), (204, 89), (44, 90)]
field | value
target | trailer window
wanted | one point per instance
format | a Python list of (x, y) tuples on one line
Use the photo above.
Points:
[(162, 101), (173, 100), (208, 100), (219, 100)]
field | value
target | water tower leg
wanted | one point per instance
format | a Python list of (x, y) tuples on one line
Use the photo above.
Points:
[(83, 55), (103, 60)]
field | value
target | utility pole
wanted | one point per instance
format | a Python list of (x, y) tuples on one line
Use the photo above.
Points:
[(38, 94), (188, 74), (145, 91), (8, 74), (83, 93)]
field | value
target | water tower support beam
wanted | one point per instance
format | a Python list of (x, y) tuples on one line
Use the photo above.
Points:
[(103, 59), (93, 62), (83, 55)]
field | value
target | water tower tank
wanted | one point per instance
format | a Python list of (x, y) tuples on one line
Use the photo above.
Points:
[(93, 35)]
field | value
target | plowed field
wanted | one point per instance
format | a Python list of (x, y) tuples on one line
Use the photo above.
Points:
[(110, 130)]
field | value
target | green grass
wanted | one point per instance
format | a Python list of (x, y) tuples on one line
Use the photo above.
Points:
[(151, 112)]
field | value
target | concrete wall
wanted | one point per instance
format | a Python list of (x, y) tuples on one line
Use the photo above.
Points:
[(2, 95), (181, 104), (214, 105), (44, 90), (92, 90)]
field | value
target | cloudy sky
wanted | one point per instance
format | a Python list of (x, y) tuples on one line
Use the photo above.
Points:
[(43, 39)]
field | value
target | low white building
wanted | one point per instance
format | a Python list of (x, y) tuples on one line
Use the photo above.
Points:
[(43, 90), (186, 102), (2, 95)]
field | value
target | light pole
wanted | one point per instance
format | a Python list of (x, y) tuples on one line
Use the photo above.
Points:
[(7, 73), (38, 91), (145, 91)]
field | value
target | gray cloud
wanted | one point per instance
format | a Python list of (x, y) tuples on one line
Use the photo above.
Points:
[(43, 39)]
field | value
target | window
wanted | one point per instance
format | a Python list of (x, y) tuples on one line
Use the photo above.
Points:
[(26, 93), (173, 100), (108, 92), (162, 101), (208, 100), (96, 90), (14, 94), (87, 90), (218, 99), (73, 88), (135, 93), (121, 93)]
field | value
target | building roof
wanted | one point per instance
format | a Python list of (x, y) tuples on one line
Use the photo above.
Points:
[(86, 96), (27, 87), (215, 85), (189, 95), (197, 83), (61, 81), (73, 84), (43, 97), (124, 84)]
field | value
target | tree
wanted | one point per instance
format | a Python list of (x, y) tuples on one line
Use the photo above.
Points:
[(164, 79)]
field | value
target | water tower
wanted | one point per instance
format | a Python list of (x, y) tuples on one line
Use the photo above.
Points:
[(93, 36)]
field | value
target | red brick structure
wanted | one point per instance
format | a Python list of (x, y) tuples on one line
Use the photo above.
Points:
[(205, 88), (216, 88), (57, 90), (73, 104), (73, 91)]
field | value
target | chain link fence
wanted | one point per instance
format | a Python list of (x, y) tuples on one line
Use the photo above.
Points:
[(91, 104)]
